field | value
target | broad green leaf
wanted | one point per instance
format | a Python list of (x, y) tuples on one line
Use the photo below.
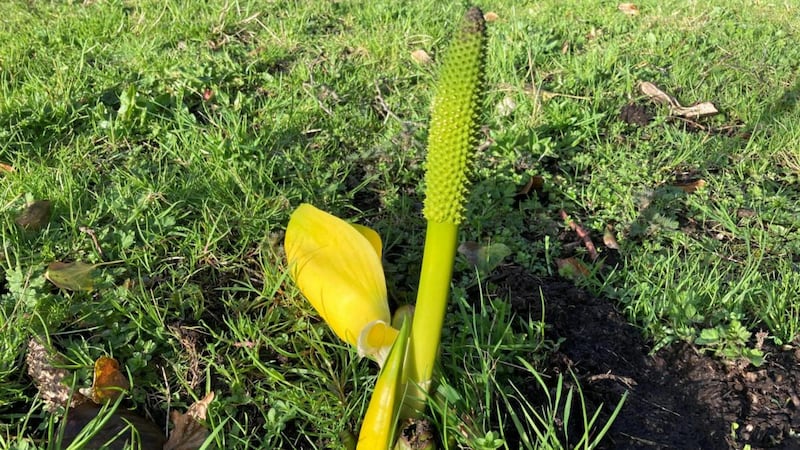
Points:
[(74, 276), (484, 257)]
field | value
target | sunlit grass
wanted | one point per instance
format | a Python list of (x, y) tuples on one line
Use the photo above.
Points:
[(180, 136)]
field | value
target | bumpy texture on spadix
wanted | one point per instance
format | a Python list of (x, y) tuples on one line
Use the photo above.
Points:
[(454, 115), (337, 267)]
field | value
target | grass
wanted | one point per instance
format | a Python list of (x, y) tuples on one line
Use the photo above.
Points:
[(182, 135)]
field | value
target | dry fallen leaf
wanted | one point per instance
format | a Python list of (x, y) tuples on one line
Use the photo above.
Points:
[(491, 16), (120, 430), (690, 112), (745, 213), (420, 56), (608, 238), (187, 432), (74, 276), (572, 268), (690, 186), (35, 216), (6, 168), (628, 8), (47, 379), (535, 183), (108, 383), (506, 106)]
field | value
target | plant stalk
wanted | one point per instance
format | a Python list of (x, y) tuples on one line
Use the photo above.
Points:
[(432, 295)]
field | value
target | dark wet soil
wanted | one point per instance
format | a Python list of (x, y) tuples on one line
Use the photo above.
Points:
[(678, 397)]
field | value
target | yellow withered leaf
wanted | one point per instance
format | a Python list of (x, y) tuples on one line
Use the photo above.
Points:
[(109, 382), (73, 276)]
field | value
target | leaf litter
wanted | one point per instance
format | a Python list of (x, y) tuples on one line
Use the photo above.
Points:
[(703, 109), (74, 276), (83, 409), (188, 431)]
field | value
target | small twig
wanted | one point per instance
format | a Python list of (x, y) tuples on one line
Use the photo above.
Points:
[(665, 409), (91, 234), (642, 440), (387, 110), (384, 106), (583, 234), (168, 397), (627, 381), (309, 88)]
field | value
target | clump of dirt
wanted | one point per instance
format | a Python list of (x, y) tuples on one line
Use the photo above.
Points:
[(679, 398), (636, 114)]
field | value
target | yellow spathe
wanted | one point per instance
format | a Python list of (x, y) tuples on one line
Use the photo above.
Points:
[(337, 267)]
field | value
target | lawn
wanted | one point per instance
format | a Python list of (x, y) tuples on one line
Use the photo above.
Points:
[(173, 139)]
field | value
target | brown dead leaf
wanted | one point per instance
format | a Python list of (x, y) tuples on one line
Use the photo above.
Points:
[(35, 215), (108, 383), (655, 94), (628, 8), (703, 109), (187, 432), (47, 378), (535, 183), (743, 213), (491, 16), (119, 431), (6, 168), (572, 268), (690, 186), (421, 56), (609, 239)]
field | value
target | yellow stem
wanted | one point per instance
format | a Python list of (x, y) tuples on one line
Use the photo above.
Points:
[(434, 290)]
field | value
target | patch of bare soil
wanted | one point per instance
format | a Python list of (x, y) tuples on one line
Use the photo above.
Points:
[(679, 398)]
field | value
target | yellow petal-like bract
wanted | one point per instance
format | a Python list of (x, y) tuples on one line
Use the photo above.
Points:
[(337, 267)]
